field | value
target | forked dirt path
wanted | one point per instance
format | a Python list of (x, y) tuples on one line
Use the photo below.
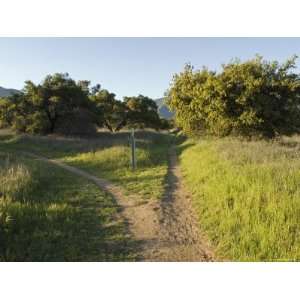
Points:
[(163, 231)]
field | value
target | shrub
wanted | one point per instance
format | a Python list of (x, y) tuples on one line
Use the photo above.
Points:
[(255, 97)]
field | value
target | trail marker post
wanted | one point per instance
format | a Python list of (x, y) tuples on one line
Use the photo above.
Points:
[(133, 154)]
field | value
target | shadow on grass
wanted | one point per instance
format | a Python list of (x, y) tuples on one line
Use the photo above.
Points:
[(6, 137), (78, 232), (43, 234), (182, 147), (59, 147), (170, 187), (171, 180), (71, 220)]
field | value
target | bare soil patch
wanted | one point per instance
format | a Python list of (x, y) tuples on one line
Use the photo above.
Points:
[(179, 236)]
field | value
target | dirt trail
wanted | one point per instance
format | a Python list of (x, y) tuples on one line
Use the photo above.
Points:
[(163, 231), (140, 215), (179, 235)]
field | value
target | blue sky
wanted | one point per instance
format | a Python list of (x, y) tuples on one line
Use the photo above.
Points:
[(128, 66)]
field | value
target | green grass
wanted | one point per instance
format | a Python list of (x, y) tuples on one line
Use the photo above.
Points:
[(113, 163), (247, 195), (107, 156), (48, 214)]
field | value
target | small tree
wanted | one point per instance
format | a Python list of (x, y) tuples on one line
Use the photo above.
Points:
[(189, 97), (142, 112), (139, 112), (110, 111)]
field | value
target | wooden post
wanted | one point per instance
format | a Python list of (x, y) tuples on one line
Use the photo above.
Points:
[(133, 156)]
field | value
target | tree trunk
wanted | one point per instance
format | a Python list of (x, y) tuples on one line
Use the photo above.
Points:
[(108, 126), (121, 125)]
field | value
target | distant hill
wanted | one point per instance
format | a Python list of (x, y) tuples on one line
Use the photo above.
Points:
[(7, 92), (163, 110)]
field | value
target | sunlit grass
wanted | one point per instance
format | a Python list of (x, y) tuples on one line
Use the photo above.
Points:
[(48, 214), (108, 156), (114, 164), (247, 195)]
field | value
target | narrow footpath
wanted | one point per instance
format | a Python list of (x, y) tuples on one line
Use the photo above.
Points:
[(179, 237), (165, 230)]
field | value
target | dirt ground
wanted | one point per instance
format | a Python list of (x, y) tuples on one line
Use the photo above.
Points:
[(164, 230), (178, 236)]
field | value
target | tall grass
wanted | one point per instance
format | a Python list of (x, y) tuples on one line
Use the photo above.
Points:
[(108, 155), (47, 214), (114, 164), (14, 179), (247, 195)]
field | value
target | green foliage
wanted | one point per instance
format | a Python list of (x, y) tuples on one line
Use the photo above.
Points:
[(4, 106), (69, 220), (142, 112), (113, 162), (136, 112), (166, 124), (7, 112), (108, 156), (247, 196), (255, 97), (110, 111), (59, 104), (81, 122), (39, 107)]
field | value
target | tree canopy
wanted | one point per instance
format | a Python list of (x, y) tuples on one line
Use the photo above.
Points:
[(38, 108), (142, 112), (255, 97), (136, 112), (58, 101)]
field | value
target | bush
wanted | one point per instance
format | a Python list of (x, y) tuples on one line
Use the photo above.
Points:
[(255, 97), (78, 123)]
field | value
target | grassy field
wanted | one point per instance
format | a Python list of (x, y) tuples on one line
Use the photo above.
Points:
[(107, 156), (48, 214), (247, 195)]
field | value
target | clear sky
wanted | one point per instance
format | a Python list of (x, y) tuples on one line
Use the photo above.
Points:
[(128, 66)]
